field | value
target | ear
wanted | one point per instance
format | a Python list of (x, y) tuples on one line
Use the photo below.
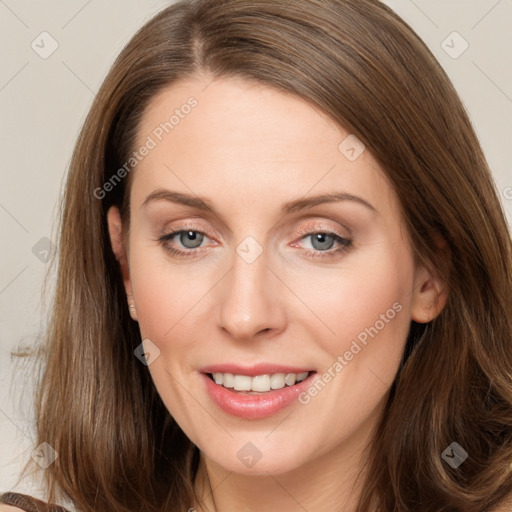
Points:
[(429, 296), (115, 231)]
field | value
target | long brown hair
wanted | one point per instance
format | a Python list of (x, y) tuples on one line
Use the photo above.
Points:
[(119, 448)]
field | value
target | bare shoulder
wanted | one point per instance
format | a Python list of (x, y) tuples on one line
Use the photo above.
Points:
[(9, 508)]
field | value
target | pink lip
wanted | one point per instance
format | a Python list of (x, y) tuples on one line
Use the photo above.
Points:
[(259, 406), (252, 370)]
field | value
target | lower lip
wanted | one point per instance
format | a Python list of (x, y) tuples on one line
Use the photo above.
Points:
[(254, 407)]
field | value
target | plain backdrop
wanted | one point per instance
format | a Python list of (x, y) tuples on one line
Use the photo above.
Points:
[(44, 100)]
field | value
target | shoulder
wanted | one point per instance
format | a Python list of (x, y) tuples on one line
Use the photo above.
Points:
[(8, 508)]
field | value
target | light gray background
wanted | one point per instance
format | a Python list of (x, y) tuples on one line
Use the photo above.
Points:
[(43, 103)]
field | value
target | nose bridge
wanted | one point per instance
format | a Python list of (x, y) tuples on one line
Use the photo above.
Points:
[(248, 303)]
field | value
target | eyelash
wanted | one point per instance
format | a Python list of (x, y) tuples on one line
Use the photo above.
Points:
[(345, 244)]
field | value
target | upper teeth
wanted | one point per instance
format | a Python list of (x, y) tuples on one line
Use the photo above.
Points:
[(259, 383)]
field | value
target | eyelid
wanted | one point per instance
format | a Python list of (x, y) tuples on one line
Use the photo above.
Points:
[(314, 227), (186, 226), (309, 229), (304, 230)]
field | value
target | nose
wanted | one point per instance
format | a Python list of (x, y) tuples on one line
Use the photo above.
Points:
[(251, 301)]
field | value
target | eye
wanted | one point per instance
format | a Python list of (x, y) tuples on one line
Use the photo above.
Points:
[(184, 242), (322, 241), (191, 243), (323, 244), (190, 239)]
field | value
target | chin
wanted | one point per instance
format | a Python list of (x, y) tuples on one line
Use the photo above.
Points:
[(258, 457)]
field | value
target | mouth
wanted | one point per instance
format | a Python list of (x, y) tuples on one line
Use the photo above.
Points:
[(258, 384), (255, 393)]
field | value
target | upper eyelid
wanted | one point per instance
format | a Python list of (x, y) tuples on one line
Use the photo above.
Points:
[(302, 231), (309, 229), (173, 232)]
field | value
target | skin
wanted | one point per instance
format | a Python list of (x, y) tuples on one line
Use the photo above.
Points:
[(248, 149)]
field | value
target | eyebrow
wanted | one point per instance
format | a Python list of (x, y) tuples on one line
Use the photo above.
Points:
[(204, 204)]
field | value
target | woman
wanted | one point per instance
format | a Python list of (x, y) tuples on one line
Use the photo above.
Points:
[(284, 276)]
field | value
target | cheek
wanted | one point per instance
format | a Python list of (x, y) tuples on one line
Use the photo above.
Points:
[(165, 293), (365, 292), (367, 306), (167, 300)]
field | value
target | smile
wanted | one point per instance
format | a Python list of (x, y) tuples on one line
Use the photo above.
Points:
[(255, 392), (258, 383)]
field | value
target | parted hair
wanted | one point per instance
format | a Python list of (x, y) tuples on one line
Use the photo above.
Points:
[(119, 449)]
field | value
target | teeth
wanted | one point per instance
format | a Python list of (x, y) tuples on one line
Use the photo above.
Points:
[(277, 381), (302, 376), (242, 383), (290, 379), (259, 383)]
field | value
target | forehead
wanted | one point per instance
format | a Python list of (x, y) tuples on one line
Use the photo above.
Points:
[(238, 113), (217, 136)]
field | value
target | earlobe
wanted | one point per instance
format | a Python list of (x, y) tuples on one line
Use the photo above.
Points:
[(115, 231), (429, 297)]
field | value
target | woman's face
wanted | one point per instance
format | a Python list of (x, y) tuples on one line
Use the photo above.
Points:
[(289, 260)]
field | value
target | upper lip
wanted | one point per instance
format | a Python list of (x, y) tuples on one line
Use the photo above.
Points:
[(253, 369)]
